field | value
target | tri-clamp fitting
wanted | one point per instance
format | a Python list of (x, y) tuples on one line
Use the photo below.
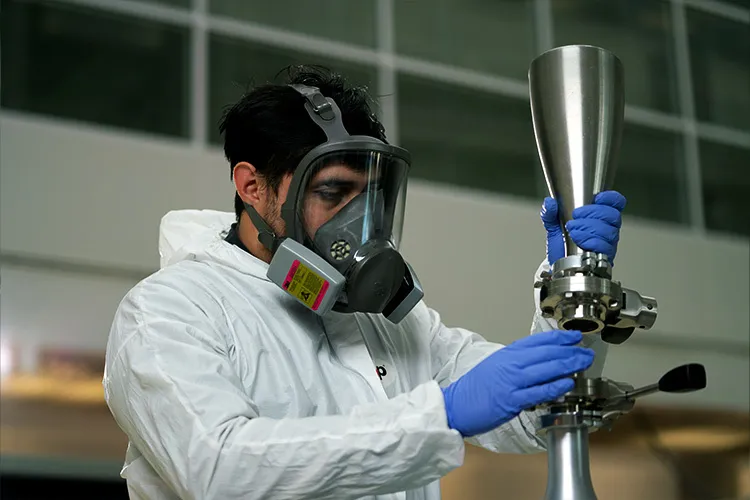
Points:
[(579, 294), (598, 402)]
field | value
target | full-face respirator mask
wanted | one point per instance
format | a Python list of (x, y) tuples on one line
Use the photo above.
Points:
[(344, 217)]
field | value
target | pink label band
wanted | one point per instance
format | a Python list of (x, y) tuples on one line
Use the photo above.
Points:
[(290, 275), (323, 290)]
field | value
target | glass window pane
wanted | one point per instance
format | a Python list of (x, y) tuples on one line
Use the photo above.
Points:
[(726, 184), (650, 173), (237, 65), (720, 62), (463, 137), (345, 20), (174, 3), (738, 3), (494, 36), (639, 32), (94, 66)]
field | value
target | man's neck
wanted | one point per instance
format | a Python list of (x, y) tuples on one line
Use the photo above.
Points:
[(249, 237)]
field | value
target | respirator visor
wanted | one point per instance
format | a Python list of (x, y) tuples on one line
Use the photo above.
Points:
[(350, 199)]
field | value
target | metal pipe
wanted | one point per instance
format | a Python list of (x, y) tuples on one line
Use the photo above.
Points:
[(569, 477)]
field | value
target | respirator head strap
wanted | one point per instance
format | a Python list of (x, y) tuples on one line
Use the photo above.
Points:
[(317, 101), (324, 112), (266, 236)]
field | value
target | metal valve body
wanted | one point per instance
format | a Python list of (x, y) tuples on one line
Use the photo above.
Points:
[(579, 294)]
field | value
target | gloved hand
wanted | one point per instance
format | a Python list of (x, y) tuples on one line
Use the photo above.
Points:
[(521, 375), (594, 227)]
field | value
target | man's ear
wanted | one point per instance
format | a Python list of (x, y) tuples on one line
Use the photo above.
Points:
[(247, 182)]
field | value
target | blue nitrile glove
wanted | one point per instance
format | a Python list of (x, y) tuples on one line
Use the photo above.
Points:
[(594, 227), (514, 378)]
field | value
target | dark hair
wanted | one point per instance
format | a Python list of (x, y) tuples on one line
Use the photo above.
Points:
[(270, 128)]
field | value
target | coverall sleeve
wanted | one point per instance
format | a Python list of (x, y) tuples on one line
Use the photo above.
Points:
[(173, 390), (456, 350)]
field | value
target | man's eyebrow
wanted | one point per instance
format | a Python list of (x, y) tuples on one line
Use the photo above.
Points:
[(334, 182)]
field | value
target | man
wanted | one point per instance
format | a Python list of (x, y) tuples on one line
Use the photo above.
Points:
[(289, 354)]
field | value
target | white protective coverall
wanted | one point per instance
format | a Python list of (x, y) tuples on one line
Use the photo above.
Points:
[(227, 388)]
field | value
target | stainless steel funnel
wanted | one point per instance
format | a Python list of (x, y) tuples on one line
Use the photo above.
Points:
[(577, 107)]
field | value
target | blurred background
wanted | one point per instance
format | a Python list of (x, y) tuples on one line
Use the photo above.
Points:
[(109, 120)]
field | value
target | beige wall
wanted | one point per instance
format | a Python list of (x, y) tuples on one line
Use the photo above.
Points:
[(80, 194)]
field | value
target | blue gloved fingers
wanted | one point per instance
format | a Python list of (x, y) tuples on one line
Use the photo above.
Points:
[(549, 214), (605, 208), (531, 396), (547, 353), (612, 199), (553, 337), (500, 386), (551, 222), (554, 369), (593, 227), (591, 243), (610, 215), (594, 235)]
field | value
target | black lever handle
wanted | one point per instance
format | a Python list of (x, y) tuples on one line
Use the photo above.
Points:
[(685, 378)]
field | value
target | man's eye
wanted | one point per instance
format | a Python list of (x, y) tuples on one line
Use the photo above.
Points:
[(330, 196)]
